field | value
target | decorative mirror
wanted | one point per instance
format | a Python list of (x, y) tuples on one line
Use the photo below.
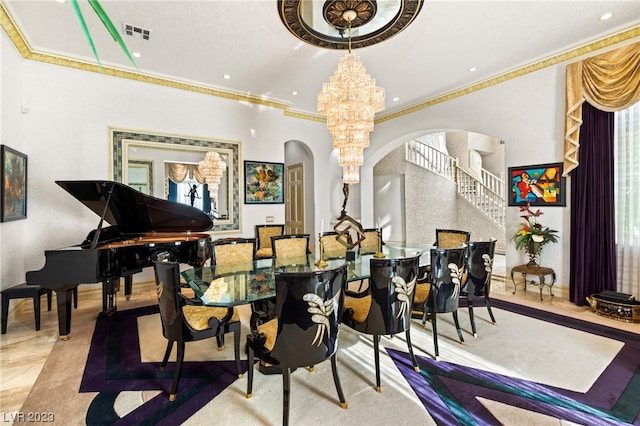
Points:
[(166, 166)]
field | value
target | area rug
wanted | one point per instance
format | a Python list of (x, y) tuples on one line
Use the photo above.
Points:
[(534, 367), (115, 365), (452, 393)]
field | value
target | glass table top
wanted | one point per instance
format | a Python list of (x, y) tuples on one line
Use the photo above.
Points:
[(242, 283)]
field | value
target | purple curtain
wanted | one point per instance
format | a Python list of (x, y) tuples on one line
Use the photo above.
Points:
[(593, 254)]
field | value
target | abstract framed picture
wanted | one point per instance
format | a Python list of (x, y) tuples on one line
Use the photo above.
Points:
[(538, 185), (13, 193), (263, 182)]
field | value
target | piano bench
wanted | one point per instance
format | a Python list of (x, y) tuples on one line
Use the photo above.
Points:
[(22, 291)]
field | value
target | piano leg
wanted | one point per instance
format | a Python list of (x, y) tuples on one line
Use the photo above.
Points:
[(128, 285), (110, 287), (63, 300)]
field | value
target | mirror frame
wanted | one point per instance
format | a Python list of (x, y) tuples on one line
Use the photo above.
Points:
[(121, 140)]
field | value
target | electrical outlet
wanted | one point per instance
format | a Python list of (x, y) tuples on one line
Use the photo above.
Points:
[(269, 219)]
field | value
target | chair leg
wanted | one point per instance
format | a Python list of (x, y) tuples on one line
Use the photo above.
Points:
[(471, 317), (413, 357), (376, 357), (220, 340), (434, 330), (236, 347), (167, 352), (178, 372), (457, 323), (249, 371), (336, 380), (286, 384), (488, 305)]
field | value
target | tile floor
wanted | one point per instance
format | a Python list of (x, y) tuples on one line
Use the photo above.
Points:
[(23, 351)]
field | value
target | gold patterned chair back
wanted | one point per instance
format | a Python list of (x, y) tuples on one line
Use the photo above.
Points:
[(331, 247), (224, 252), (370, 243), (451, 238), (292, 245)]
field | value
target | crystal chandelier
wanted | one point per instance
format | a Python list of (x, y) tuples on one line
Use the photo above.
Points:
[(350, 100), (212, 168)]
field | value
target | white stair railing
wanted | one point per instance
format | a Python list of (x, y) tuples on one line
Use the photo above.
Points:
[(486, 195)]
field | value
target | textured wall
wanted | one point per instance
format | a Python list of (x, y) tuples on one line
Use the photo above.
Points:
[(432, 202)]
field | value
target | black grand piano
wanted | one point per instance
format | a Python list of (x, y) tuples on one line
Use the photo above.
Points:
[(141, 228)]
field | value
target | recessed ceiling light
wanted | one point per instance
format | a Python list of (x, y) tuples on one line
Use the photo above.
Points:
[(294, 93), (227, 76), (473, 69), (136, 54), (606, 16), (60, 1), (396, 99)]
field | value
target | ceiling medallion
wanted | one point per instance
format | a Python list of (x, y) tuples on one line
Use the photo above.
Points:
[(323, 24), (363, 11)]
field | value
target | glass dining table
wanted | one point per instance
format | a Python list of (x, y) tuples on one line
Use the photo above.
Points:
[(247, 282)]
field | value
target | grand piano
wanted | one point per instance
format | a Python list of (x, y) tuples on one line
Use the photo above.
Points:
[(142, 227)]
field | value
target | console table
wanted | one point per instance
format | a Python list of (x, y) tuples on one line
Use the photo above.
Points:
[(539, 271)]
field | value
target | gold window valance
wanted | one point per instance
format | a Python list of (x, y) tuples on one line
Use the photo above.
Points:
[(178, 172), (610, 81)]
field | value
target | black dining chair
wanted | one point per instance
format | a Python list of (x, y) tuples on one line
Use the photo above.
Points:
[(263, 234), (302, 330), (384, 309), (447, 270), (445, 239), (477, 285), (184, 322)]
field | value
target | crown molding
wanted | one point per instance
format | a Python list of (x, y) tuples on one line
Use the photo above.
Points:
[(519, 72), (28, 53)]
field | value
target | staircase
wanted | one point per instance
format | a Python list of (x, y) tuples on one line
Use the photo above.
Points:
[(486, 194)]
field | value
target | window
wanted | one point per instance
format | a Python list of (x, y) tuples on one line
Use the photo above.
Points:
[(627, 198)]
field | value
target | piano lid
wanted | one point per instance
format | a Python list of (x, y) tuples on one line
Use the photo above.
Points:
[(134, 212)]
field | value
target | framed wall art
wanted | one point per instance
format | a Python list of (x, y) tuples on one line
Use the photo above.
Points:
[(263, 182), (538, 185), (13, 193)]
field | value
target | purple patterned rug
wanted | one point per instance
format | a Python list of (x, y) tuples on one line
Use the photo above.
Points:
[(450, 392), (114, 366)]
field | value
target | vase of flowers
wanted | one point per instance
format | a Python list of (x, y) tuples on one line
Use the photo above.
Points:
[(532, 236)]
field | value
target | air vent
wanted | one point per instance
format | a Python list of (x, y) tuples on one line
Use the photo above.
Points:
[(137, 32)]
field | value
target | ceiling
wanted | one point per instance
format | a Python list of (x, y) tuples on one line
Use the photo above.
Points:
[(198, 42)]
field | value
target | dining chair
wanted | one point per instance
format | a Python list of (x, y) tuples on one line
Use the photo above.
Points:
[(331, 247), (263, 234), (184, 322), (303, 330), (290, 245), (372, 241), (385, 308), (233, 250), (477, 284), (447, 270), (445, 239)]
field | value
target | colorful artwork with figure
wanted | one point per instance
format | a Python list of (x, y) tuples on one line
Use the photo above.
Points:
[(13, 196), (537, 185), (263, 183)]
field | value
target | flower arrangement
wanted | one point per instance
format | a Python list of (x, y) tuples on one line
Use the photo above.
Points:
[(532, 235)]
